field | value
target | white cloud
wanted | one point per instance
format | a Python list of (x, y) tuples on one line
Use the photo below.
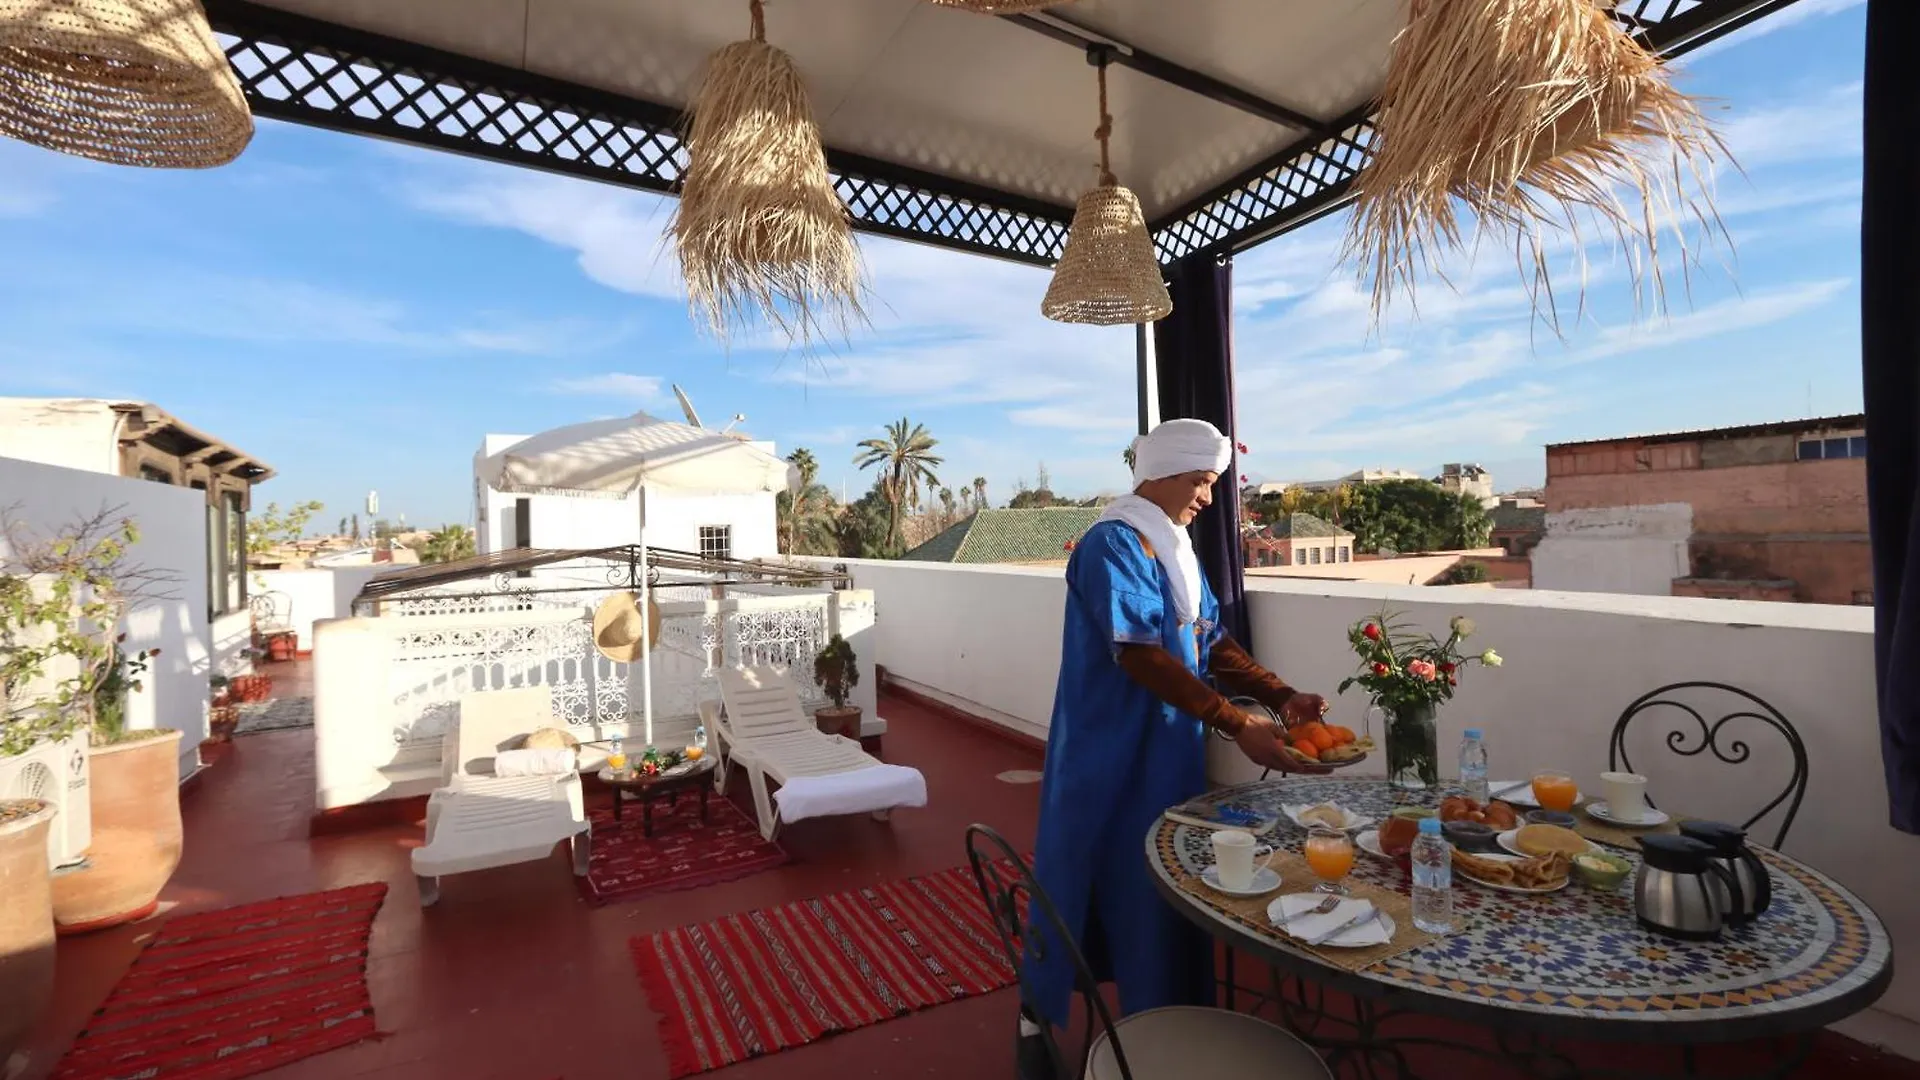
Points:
[(1827, 126), (617, 384), (1764, 307), (1791, 15)]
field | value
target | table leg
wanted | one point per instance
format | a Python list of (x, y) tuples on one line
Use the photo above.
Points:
[(618, 798)]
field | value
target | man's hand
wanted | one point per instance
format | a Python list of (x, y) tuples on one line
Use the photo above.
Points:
[(1302, 709), (1264, 742)]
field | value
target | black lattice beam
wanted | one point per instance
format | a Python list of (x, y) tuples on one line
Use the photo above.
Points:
[(1314, 176), (325, 75)]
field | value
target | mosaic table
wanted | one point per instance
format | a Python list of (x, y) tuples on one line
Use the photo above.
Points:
[(1573, 964)]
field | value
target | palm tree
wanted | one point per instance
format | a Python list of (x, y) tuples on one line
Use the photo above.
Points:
[(979, 493), (806, 515), (966, 502), (907, 462), (946, 507), (450, 543)]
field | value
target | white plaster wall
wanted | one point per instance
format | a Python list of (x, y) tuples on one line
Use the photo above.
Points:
[(988, 639), (231, 639), (1637, 550), (75, 433), (172, 524), (312, 595)]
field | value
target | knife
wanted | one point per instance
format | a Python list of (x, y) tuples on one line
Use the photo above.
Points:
[(1508, 790), (1367, 913)]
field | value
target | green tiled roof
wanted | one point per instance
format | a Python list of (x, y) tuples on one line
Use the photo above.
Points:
[(1009, 536), (1304, 527)]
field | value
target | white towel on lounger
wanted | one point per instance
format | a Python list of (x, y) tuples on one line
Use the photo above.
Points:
[(548, 762), (856, 791)]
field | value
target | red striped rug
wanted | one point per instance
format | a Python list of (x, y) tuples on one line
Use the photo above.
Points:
[(682, 853), (230, 993), (768, 980)]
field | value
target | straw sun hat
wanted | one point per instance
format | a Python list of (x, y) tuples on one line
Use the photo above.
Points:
[(616, 627)]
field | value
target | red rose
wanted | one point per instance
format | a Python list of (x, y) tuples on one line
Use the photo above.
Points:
[(1371, 631), (1242, 447), (1381, 669), (1068, 546), (1446, 668)]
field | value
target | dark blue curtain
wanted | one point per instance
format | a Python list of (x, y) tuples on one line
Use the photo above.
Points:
[(1193, 352), (1890, 382)]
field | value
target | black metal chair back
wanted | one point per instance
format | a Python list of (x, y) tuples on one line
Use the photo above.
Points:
[(1029, 925), (1700, 737)]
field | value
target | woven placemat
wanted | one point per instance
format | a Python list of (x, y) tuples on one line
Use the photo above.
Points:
[(1251, 912), (1613, 835)]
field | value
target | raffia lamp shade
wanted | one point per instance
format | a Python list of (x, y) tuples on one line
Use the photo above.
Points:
[(1534, 117), (1107, 274), (997, 7), (131, 82)]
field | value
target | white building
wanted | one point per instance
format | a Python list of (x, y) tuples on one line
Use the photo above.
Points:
[(722, 526)]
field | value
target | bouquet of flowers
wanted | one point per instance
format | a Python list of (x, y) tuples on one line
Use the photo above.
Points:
[(1408, 674)]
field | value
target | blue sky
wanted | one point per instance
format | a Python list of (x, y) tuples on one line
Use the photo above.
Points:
[(360, 314)]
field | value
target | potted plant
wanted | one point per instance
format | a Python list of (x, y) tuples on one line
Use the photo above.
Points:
[(26, 920), (835, 671), (66, 597), (1409, 675)]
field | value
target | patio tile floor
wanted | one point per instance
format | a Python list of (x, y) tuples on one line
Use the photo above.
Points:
[(513, 977)]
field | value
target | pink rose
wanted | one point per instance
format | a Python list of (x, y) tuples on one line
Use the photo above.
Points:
[(1421, 669)]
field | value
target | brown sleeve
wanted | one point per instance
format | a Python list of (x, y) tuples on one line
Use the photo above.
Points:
[(1169, 680), (1241, 674)]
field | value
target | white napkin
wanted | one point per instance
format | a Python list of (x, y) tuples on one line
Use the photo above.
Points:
[(1349, 819), (1327, 929)]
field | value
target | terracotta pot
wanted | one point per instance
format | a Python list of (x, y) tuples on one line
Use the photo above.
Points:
[(26, 924), (280, 647), (840, 720), (136, 836)]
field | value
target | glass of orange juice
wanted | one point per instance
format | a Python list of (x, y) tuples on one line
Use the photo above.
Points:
[(1329, 855), (1555, 790)]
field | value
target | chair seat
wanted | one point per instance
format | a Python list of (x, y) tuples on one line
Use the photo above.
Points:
[(1188, 1041)]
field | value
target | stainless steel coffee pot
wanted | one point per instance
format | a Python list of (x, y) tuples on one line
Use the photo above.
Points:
[(1730, 851), (1681, 891)]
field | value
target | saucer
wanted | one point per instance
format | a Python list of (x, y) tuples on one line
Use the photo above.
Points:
[(1265, 880), (1597, 810)]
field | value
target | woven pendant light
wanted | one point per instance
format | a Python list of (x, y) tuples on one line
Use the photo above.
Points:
[(131, 82), (1107, 274), (997, 7), (761, 234), (1534, 116)]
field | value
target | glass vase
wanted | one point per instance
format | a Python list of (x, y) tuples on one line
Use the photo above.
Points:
[(1413, 746)]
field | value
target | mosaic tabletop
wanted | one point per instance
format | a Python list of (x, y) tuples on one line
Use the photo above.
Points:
[(1578, 953)]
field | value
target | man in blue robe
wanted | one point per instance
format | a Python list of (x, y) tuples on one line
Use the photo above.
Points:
[(1128, 739)]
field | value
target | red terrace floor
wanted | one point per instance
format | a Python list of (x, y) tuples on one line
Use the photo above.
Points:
[(512, 977)]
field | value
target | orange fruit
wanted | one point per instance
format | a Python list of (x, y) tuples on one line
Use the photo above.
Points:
[(1306, 749), (1309, 730), (1341, 735), (1324, 739)]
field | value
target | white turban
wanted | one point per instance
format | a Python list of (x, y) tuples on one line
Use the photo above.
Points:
[(1180, 446)]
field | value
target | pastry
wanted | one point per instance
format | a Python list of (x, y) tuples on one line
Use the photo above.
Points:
[(1349, 752), (1325, 814), (1491, 871), (1547, 839), (1542, 872)]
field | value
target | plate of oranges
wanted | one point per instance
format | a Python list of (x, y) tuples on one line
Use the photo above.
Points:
[(1328, 744)]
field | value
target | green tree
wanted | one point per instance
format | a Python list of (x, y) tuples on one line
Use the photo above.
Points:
[(907, 462), (864, 528), (449, 543), (1464, 572), (979, 494), (946, 507), (807, 515), (270, 528), (1415, 515)]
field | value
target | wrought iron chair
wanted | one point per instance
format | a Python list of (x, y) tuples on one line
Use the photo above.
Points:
[(1171, 1042), (1709, 737), (272, 613)]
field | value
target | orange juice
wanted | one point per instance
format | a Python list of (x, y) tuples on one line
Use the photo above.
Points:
[(1330, 855), (1555, 791)]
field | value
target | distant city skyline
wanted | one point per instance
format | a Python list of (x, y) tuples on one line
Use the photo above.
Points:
[(360, 315)]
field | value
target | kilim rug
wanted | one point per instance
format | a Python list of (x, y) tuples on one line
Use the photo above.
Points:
[(681, 854), (772, 979), (230, 993)]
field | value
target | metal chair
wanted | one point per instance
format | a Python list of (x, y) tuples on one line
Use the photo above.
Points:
[(272, 613), (1172, 1042), (1732, 751)]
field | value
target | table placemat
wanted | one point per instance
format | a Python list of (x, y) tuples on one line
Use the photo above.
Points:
[(1295, 877), (1613, 835)]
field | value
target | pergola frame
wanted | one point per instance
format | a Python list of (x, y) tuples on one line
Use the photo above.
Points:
[(326, 75)]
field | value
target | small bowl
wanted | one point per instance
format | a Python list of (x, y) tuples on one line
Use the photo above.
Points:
[(1616, 870), (1550, 817), (1471, 835)]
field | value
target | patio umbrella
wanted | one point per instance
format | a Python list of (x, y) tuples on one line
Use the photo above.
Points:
[(629, 455)]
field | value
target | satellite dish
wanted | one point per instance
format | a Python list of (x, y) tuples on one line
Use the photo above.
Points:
[(686, 406)]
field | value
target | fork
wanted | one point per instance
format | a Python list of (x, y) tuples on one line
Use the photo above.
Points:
[(1322, 908)]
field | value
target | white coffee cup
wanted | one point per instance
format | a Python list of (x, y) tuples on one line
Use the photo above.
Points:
[(1626, 795), (1234, 852)]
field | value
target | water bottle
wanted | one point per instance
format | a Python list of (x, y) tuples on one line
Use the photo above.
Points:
[(616, 757), (1432, 879), (700, 736), (1473, 765)]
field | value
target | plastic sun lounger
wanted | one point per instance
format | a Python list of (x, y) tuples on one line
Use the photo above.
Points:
[(478, 821), (763, 729)]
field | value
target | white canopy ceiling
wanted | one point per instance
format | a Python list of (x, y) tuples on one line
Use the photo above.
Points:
[(617, 457)]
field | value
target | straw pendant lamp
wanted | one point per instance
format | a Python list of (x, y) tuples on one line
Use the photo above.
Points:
[(1107, 274), (1533, 116), (131, 82), (760, 232)]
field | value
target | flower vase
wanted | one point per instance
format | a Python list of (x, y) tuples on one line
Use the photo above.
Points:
[(1413, 747)]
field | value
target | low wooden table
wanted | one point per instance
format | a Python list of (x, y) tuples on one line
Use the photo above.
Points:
[(634, 784)]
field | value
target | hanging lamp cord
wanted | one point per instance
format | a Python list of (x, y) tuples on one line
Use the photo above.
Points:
[(759, 10), (1106, 125)]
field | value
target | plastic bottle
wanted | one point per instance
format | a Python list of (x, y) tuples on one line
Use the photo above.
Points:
[(1473, 765), (1432, 879), (616, 757), (700, 736)]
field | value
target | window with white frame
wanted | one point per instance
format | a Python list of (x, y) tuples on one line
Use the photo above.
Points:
[(1833, 446), (1316, 556), (716, 541)]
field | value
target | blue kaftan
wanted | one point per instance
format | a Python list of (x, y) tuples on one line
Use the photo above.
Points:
[(1116, 757)]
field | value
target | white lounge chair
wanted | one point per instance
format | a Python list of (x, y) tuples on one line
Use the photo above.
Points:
[(762, 728), (478, 821)]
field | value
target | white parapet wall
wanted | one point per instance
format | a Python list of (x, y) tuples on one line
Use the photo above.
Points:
[(308, 596), (987, 639), (1619, 549)]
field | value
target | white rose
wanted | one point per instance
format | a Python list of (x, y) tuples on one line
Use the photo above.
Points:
[(1463, 626), (1491, 658)]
